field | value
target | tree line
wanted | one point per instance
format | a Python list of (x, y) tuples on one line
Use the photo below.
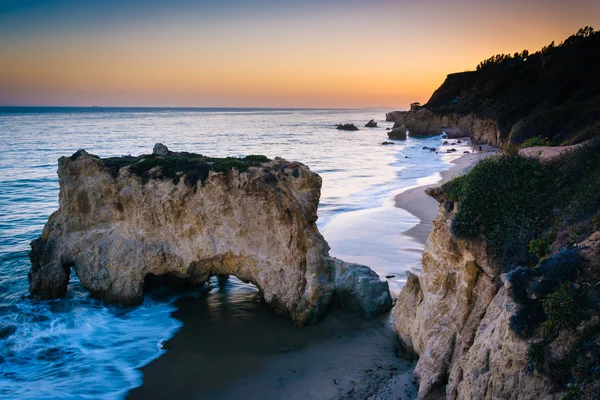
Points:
[(507, 59)]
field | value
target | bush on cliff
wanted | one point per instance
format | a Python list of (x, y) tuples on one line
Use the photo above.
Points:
[(562, 309), (191, 167), (521, 207), (505, 199)]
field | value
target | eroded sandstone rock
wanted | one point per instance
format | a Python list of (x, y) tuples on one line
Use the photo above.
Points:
[(170, 214), (455, 316), (426, 123)]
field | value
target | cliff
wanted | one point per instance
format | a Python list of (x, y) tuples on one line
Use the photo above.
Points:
[(184, 217), (507, 304), (553, 93), (427, 123)]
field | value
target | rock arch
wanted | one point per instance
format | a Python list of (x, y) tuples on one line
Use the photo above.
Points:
[(122, 219)]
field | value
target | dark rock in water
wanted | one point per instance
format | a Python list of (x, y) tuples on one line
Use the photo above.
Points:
[(347, 127), (450, 150), (453, 144), (466, 152), (371, 124), (425, 148), (387, 129), (459, 141), (387, 143), (445, 143), (7, 330), (406, 157), (390, 276), (397, 133)]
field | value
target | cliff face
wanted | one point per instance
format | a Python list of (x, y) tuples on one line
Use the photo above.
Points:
[(455, 317), (172, 215), (553, 93), (427, 123)]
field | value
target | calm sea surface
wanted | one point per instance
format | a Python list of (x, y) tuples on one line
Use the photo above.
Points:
[(78, 347)]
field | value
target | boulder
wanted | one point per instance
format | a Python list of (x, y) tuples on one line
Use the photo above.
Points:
[(359, 288), (371, 124), (386, 143), (397, 134), (160, 150)]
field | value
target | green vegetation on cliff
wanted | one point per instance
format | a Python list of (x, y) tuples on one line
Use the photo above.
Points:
[(533, 216), (190, 167), (552, 94), (520, 205)]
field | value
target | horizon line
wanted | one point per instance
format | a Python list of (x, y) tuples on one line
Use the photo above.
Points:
[(204, 107)]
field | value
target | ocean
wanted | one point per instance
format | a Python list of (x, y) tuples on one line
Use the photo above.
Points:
[(78, 347)]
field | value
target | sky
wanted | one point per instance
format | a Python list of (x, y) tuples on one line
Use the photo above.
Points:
[(262, 53)]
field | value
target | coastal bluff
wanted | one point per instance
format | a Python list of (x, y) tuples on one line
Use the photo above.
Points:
[(184, 217), (455, 317)]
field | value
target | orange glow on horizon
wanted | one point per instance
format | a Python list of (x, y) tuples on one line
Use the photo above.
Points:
[(300, 62)]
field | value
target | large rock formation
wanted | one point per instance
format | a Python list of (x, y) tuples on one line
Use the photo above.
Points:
[(455, 317), (426, 123), (189, 217)]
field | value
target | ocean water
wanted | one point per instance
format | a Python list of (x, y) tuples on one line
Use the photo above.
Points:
[(78, 347)]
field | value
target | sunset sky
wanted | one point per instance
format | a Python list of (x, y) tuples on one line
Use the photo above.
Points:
[(262, 53)]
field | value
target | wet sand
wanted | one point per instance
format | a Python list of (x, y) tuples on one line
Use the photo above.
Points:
[(232, 346), (424, 207)]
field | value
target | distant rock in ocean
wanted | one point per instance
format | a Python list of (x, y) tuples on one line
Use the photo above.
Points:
[(397, 133), (371, 124), (347, 127), (183, 217)]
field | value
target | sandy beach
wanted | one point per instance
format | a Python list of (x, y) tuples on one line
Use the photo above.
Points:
[(233, 346), (424, 207)]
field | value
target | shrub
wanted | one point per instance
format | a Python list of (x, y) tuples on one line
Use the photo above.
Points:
[(535, 356), (525, 321), (226, 164), (542, 246), (256, 158), (562, 266), (573, 393), (505, 198), (596, 221), (535, 141), (562, 310)]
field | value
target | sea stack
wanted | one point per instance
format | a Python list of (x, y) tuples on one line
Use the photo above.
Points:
[(187, 217)]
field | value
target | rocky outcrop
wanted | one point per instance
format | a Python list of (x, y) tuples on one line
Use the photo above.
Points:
[(548, 154), (371, 124), (455, 316), (359, 288), (426, 123), (187, 217), (397, 134), (346, 127)]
